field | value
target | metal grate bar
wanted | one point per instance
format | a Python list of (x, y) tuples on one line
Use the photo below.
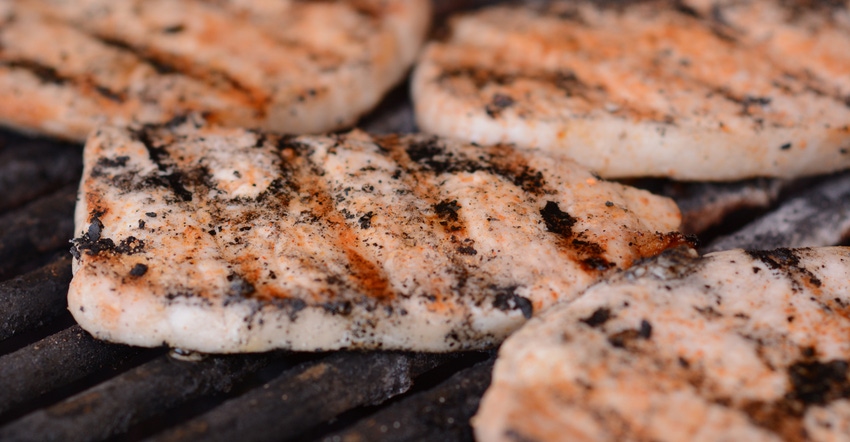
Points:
[(439, 414), (704, 205), (818, 217), (53, 362), (146, 391), (34, 299), (40, 227), (306, 396), (31, 168)]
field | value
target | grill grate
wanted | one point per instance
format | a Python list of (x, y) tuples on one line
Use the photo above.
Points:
[(58, 383)]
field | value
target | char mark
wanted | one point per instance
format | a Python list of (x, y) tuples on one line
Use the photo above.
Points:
[(499, 103), (506, 299), (168, 65), (557, 221), (94, 244), (49, 75), (159, 155), (599, 317), (786, 261)]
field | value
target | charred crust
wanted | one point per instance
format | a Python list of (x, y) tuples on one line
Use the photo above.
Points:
[(341, 308), (159, 156), (787, 261), (138, 270), (557, 221), (627, 339), (365, 221), (497, 104), (239, 287), (811, 383), (589, 255), (818, 383), (45, 74), (447, 210), (94, 244), (506, 299), (598, 318), (467, 250)]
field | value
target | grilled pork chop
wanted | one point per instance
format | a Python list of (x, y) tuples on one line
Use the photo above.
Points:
[(295, 66), (652, 88), (228, 240), (733, 346)]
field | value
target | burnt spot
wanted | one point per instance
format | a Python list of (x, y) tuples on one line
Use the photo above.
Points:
[(138, 270), (160, 156), (423, 150), (447, 210), (599, 317), (506, 299), (497, 104), (365, 221), (239, 286), (645, 330), (107, 163), (160, 66), (45, 74), (787, 261), (751, 103), (810, 383), (342, 308), (557, 221), (467, 250), (94, 244), (708, 312), (590, 255), (627, 339), (174, 29), (529, 180), (261, 140), (130, 245), (818, 383), (597, 264), (292, 306), (785, 146)]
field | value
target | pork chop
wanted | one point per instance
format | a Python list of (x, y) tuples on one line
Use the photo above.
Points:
[(737, 345), (713, 91), (229, 240), (294, 66)]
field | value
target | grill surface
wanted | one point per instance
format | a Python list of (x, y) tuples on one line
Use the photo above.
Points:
[(58, 383)]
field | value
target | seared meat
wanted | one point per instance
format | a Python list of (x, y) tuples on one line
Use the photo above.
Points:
[(294, 66), (737, 345), (651, 88), (228, 240)]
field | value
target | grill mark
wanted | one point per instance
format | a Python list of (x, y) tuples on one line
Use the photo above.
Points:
[(422, 181), (370, 276), (576, 246), (498, 160), (165, 64), (159, 156), (49, 75), (788, 262), (563, 80)]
